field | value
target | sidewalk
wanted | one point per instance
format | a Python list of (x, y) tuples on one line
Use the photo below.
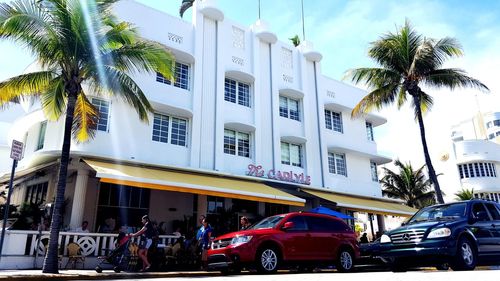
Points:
[(92, 275)]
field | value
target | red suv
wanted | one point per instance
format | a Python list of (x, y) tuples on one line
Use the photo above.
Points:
[(303, 239)]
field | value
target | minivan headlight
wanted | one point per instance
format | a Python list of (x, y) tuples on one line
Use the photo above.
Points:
[(241, 239), (439, 233), (385, 239)]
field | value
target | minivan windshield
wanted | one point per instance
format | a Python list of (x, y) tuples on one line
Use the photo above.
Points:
[(440, 212), (269, 222)]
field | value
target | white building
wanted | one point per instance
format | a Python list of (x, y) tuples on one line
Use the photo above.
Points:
[(476, 151), (250, 125)]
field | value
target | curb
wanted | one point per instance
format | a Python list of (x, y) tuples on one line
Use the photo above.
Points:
[(107, 275)]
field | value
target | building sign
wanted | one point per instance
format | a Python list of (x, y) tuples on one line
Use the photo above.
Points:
[(16, 151), (272, 174)]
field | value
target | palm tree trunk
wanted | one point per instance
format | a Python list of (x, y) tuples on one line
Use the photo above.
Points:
[(50, 264), (432, 173)]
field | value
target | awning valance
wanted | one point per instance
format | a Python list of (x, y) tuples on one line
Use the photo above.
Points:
[(372, 205), (190, 182)]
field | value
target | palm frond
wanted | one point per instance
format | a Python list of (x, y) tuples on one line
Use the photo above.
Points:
[(452, 78), (54, 100), (377, 98), (123, 86), (186, 4), (85, 119), (144, 56), (24, 85)]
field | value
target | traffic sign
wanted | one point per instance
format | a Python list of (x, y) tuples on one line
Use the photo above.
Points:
[(16, 151)]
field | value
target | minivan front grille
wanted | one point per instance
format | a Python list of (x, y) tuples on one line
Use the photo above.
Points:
[(220, 244), (411, 236)]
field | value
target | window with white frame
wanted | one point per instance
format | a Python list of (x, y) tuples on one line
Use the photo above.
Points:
[(236, 143), (41, 135), (476, 170), (369, 131), (36, 193), (333, 121), (337, 164), (181, 75), (166, 127), (291, 154), (289, 108), (373, 168), (237, 92), (102, 108)]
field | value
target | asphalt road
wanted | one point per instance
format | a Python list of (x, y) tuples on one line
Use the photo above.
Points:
[(418, 275)]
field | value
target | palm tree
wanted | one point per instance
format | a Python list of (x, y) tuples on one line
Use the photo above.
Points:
[(186, 4), (295, 40), (464, 194), (409, 185), (77, 43), (408, 61)]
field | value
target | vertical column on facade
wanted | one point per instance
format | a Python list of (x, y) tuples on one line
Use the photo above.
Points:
[(310, 78), (381, 223), (266, 102), (208, 17), (202, 206), (79, 198)]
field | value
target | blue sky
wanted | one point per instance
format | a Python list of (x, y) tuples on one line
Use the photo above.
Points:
[(342, 30)]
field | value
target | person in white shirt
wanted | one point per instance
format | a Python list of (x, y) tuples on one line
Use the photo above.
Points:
[(84, 227)]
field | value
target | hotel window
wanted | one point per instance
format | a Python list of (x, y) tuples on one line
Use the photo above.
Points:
[(337, 164), (236, 143), (289, 108), (36, 193), (333, 121), (215, 205), (237, 92), (102, 108), (373, 167), (480, 169), (369, 131), (181, 75), (164, 125), (41, 135), (291, 154)]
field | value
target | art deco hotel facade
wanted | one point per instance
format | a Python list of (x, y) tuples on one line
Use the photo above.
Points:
[(249, 125)]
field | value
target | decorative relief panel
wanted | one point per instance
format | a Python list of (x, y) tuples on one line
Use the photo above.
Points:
[(287, 78), (238, 61), (175, 38), (286, 58), (238, 38)]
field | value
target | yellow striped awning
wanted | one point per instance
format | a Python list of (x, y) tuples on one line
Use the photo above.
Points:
[(190, 182), (364, 204)]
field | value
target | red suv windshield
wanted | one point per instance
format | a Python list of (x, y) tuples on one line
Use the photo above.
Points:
[(269, 222)]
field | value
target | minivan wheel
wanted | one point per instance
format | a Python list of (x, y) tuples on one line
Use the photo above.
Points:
[(345, 261), (268, 260), (466, 257)]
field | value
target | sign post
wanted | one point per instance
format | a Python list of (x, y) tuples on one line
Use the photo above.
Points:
[(16, 153)]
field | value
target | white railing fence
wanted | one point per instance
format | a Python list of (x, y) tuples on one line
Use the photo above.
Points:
[(23, 248)]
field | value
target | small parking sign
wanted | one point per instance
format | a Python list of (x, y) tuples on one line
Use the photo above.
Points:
[(16, 152)]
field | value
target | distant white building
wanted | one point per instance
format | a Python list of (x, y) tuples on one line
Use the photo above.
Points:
[(476, 151), (250, 125)]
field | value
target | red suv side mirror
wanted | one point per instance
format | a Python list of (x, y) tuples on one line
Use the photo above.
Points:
[(288, 225)]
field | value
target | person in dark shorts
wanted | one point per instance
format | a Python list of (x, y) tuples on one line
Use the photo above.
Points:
[(147, 232)]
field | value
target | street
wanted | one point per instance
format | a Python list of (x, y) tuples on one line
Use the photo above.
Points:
[(427, 275)]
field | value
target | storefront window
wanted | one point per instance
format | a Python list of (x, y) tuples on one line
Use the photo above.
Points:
[(123, 204)]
